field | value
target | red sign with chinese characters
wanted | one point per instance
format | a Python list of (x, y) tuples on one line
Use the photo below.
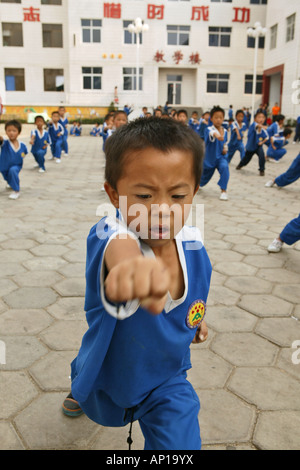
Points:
[(155, 12), (112, 10), (200, 13), (31, 14)]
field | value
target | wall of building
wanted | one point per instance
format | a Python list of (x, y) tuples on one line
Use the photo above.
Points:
[(237, 60)]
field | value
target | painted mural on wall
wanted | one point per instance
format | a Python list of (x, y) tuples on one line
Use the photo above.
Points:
[(28, 113)]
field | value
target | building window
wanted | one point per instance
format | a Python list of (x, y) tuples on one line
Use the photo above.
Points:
[(14, 79), (91, 30), (129, 78), (273, 38), (217, 82), (290, 27), (54, 80), (219, 37), (178, 35), (12, 34), (92, 78), (224, 1), (10, 1), (130, 38), (52, 35), (249, 84), (51, 2), (258, 2), (251, 42), (178, 0)]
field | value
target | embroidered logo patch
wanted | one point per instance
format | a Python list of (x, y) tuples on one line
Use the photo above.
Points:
[(195, 314)]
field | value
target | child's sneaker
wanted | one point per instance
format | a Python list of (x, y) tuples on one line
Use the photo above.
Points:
[(41, 170), (51, 157), (14, 195), (57, 160), (275, 246), (270, 184), (224, 197)]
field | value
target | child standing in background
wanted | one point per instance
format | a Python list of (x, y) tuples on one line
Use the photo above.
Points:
[(216, 152), (56, 132), (64, 122), (237, 133), (297, 131), (12, 155), (39, 140), (257, 137)]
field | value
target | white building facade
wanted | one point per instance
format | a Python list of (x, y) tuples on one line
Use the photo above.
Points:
[(75, 52)]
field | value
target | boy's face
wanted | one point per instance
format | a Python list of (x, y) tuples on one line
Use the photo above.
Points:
[(61, 112), (240, 117), (153, 182), (55, 117), (217, 119), (194, 116), (120, 120), (182, 117), (12, 132), (260, 118), (39, 123)]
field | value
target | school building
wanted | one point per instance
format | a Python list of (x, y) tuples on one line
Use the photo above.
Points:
[(195, 54)]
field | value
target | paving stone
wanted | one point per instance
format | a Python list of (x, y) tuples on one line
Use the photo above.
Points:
[(235, 269), (68, 308), (296, 313), (73, 270), (222, 295), (53, 238), (265, 305), (281, 276), (14, 256), (9, 269), (53, 371), (11, 401), (248, 249), (64, 335), (49, 250), (230, 319), (73, 287), (9, 438), (24, 322), (208, 370), (38, 278), (278, 430), (244, 349), (281, 331), (264, 261), (7, 286), (248, 284), (55, 431), (21, 351), (30, 297), (268, 388), (224, 418), (47, 263), (290, 292), (75, 256), (289, 359), (19, 244)]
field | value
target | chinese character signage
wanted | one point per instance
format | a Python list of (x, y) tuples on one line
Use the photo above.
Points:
[(31, 14)]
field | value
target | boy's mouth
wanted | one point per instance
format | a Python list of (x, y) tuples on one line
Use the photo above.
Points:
[(159, 232)]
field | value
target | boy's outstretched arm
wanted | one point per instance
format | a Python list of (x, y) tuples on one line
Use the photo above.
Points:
[(132, 276)]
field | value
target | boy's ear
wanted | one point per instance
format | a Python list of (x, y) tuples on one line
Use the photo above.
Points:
[(112, 194)]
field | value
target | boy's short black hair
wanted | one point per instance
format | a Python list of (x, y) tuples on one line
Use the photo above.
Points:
[(181, 111), (14, 123), (39, 117), (287, 131), (162, 134), (280, 117), (239, 111), (54, 112), (217, 109), (119, 111)]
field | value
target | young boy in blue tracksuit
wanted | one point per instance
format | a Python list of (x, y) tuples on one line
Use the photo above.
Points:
[(133, 359), (297, 131), (64, 122), (276, 151), (257, 137), (216, 152), (96, 130), (237, 133), (276, 129), (289, 235), (12, 154), (289, 177), (56, 132), (193, 122), (203, 124), (39, 140)]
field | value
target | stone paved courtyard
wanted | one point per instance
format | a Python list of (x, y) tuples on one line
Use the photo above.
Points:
[(248, 385)]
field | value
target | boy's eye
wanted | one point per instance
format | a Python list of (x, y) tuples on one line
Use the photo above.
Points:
[(178, 196), (143, 196)]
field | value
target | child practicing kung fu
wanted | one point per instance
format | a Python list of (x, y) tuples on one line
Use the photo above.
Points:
[(147, 282)]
